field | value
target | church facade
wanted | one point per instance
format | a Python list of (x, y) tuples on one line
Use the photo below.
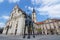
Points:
[(16, 23)]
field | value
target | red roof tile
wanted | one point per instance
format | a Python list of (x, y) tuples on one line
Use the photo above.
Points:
[(39, 23)]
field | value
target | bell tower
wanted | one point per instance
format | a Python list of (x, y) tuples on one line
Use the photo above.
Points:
[(34, 16)]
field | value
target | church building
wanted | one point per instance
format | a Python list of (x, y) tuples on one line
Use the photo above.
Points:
[(16, 23)]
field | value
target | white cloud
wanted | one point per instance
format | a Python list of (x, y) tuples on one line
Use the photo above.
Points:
[(4, 17), (53, 11), (14, 1), (49, 2), (2, 24), (51, 8), (36, 1), (1, 1), (26, 6), (30, 8), (45, 2)]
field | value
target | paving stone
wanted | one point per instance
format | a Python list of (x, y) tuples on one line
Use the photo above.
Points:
[(38, 37)]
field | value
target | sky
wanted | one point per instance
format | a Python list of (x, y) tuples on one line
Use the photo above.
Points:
[(45, 9)]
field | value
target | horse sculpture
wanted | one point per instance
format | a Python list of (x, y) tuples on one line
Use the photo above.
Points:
[(29, 25)]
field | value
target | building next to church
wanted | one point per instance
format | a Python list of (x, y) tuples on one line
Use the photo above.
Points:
[(49, 26), (17, 19)]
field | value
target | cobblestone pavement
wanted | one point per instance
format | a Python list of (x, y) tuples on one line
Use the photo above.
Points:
[(37, 37)]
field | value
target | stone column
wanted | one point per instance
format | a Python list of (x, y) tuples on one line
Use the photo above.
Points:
[(49, 22), (42, 28), (13, 26), (10, 26), (59, 27), (48, 27), (16, 27), (56, 25), (45, 29)]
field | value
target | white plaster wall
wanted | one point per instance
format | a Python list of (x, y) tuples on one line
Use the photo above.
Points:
[(13, 27), (34, 15), (56, 25), (59, 23), (48, 27), (44, 26), (9, 28), (21, 24), (4, 30), (45, 29), (52, 26)]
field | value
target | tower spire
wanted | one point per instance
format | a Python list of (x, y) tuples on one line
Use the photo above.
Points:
[(33, 10), (34, 15)]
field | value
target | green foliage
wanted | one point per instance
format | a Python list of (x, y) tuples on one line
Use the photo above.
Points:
[(39, 29)]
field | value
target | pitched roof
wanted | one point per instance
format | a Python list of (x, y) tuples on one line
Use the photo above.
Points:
[(39, 23), (16, 6)]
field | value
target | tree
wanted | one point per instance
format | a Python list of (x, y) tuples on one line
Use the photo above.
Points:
[(39, 30)]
